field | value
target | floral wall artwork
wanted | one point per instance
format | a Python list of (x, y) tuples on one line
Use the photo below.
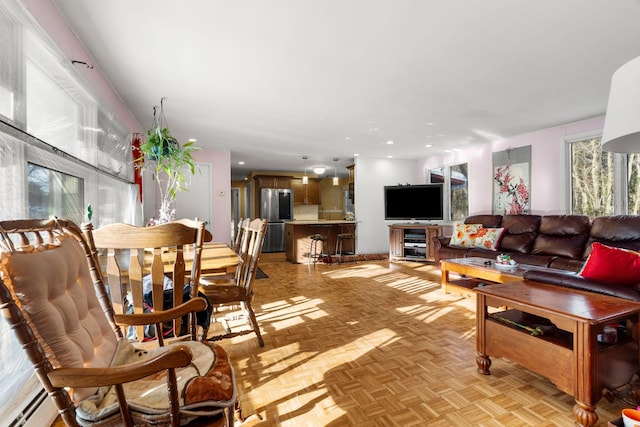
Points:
[(512, 181)]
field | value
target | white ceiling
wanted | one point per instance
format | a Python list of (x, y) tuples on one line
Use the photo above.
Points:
[(275, 80)]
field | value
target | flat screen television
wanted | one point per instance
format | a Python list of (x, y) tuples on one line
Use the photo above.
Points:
[(422, 202)]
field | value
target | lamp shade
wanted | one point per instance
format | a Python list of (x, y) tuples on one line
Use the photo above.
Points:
[(621, 133)]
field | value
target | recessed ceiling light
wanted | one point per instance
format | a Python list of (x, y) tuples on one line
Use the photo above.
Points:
[(193, 140), (241, 163), (430, 124), (389, 157), (347, 138), (428, 146), (389, 142), (356, 155)]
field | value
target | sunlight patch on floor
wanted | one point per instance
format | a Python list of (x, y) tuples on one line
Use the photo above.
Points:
[(357, 270), (311, 395), (425, 313)]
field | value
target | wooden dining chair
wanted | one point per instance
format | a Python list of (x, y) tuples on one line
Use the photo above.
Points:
[(242, 227), (150, 269), (239, 247), (232, 300), (53, 294)]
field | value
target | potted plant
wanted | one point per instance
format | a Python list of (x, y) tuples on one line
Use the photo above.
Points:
[(173, 163)]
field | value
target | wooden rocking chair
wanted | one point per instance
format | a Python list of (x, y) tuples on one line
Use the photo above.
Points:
[(53, 294)]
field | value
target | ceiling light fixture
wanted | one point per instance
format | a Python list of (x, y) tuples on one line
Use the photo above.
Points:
[(336, 181), (305, 178), (319, 170), (621, 132)]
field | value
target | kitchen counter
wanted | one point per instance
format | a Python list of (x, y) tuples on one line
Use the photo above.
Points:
[(297, 236), (321, 222)]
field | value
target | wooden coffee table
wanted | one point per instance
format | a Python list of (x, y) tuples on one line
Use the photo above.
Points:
[(474, 271), (566, 351)]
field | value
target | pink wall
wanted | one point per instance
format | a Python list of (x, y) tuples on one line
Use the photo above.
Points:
[(548, 166), (56, 27)]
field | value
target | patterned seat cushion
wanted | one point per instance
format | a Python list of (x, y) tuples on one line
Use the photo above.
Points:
[(205, 387)]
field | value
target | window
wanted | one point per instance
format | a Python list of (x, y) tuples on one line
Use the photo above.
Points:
[(458, 178), (61, 148), (602, 183), (10, 78), (633, 183), (455, 180), (55, 193)]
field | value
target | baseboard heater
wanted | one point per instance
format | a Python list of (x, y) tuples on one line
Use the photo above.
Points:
[(37, 413)]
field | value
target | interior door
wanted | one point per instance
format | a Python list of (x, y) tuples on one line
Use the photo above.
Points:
[(197, 201)]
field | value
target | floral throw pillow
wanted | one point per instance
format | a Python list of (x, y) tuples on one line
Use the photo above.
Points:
[(488, 238), (464, 235)]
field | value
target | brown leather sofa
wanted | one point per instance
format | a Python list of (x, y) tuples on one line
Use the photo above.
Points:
[(556, 241)]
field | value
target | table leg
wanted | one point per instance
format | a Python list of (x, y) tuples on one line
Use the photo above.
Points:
[(444, 273), (484, 363), (585, 353), (585, 414), (482, 359)]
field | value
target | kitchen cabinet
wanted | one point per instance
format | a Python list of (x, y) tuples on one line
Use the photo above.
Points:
[(269, 181), (306, 194)]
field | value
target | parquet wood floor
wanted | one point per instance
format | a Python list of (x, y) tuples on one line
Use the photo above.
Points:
[(379, 344)]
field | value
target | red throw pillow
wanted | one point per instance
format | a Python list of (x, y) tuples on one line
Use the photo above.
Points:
[(612, 265)]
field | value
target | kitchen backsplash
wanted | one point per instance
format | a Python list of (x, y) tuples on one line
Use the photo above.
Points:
[(305, 212)]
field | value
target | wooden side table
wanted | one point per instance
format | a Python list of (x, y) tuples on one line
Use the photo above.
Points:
[(565, 350)]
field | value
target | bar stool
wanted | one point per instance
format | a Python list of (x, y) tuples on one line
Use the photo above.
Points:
[(313, 248), (340, 239)]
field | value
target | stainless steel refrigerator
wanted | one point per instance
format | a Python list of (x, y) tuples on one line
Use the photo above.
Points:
[(276, 205)]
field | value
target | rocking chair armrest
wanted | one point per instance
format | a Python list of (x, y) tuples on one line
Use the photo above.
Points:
[(191, 306), (174, 357)]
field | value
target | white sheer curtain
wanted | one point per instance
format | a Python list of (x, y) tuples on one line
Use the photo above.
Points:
[(12, 172), (52, 124)]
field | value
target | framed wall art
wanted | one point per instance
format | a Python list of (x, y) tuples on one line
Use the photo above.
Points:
[(512, 181)]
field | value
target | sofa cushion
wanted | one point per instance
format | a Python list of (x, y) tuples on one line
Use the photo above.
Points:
[(572, 280), (568, 264), (487, 221), (622, 231), (464, 235), (520, 232), (562, 235), (612, 265)]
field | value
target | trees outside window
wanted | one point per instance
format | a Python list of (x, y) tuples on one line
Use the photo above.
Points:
[(455, 179), (602, 183)]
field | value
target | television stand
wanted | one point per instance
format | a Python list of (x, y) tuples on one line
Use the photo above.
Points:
[(413, 242)]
